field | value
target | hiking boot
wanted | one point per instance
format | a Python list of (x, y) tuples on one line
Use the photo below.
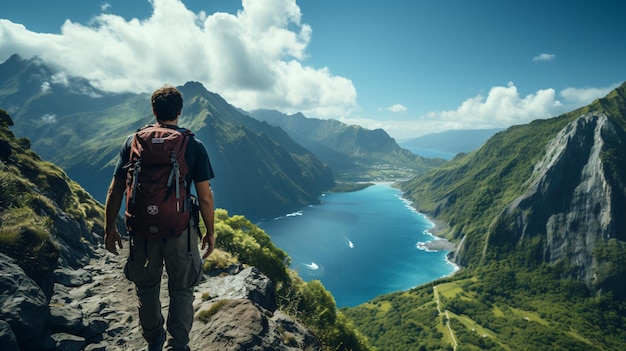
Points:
[(157, 343)]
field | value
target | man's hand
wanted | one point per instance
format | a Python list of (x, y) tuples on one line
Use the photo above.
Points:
[(208, 239), (111, 239), (111, 212)]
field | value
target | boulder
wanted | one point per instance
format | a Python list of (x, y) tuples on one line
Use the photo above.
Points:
[(23, 305), (250, 283), (241, 324), (72, 277), (66, 319)]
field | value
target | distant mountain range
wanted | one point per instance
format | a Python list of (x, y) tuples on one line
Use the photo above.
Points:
[(353, 152), (260, 171), (450, 142)]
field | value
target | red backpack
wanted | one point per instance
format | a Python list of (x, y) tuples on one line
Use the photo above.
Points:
[(157, 194)]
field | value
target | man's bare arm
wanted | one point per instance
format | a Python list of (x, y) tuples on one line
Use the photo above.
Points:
[(207, 210), (112, 207)]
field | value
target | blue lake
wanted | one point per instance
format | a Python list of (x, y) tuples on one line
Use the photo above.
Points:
[(360, 244)]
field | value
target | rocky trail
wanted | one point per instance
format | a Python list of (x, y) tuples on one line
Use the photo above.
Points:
[(102, 295), (95, 308)]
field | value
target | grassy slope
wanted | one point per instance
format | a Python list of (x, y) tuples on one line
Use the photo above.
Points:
[(32, 191)]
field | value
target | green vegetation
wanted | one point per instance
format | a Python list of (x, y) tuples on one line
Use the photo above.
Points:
[(348, 187), (507, 297), (495, 308), (32, 193), (469, 191), (205, 315), (308, 302), (219, 260)]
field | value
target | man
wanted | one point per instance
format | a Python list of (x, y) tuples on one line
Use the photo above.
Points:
[(145, 264)]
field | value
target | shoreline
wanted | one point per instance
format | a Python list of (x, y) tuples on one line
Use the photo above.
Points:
[(437, 243)]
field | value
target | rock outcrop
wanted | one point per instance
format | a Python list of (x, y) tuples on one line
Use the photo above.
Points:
[(94, 308)]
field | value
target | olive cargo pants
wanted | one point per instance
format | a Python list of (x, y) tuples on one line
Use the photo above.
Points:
[(184, 267)]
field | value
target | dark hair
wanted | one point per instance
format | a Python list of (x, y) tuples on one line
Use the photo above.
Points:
[(167, 102)]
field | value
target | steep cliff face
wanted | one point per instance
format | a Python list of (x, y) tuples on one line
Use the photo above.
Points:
[(574, 204)]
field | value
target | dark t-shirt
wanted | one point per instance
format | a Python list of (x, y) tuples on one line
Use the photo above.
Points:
[(198, 163)]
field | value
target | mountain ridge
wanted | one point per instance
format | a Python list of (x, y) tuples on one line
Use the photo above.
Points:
[(536, 214), (54, 112), (350, 149), (559, 135)]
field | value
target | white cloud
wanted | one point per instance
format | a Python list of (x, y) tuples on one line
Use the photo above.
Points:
[(544, 57), (254, 59), (584, 96), (49, 118), (502, 107), (60, 78), (105, 6), (45, 87), (397, 108)]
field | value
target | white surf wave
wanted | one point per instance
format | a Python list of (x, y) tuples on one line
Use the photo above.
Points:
[(312, 266), (422, 246), (348, 241)]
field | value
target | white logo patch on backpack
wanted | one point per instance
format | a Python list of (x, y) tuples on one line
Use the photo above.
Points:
[(153, 210)]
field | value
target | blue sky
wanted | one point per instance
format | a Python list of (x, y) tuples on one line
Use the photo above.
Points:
[(411, 67)]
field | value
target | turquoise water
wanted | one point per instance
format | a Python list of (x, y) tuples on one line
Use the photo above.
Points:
[(431, 153), (359, 244)]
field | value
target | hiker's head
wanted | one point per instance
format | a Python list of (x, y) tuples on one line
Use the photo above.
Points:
[(167, 102)]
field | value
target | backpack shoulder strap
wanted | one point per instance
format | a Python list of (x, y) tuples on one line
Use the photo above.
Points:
[(145, 127), (185, 131)]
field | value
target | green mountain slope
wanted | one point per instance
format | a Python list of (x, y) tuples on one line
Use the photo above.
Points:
[(355, 153), (537, 216), (260, 171), (44, 215)]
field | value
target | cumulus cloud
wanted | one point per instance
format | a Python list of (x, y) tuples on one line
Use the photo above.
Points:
[(544, 57), (254, 59), (397, 108), (502, 107), (584, 96)]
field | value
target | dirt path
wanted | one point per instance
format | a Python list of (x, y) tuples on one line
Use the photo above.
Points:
[(447, 321)]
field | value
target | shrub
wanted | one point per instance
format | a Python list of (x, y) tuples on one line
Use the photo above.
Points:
[(205, 315)]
